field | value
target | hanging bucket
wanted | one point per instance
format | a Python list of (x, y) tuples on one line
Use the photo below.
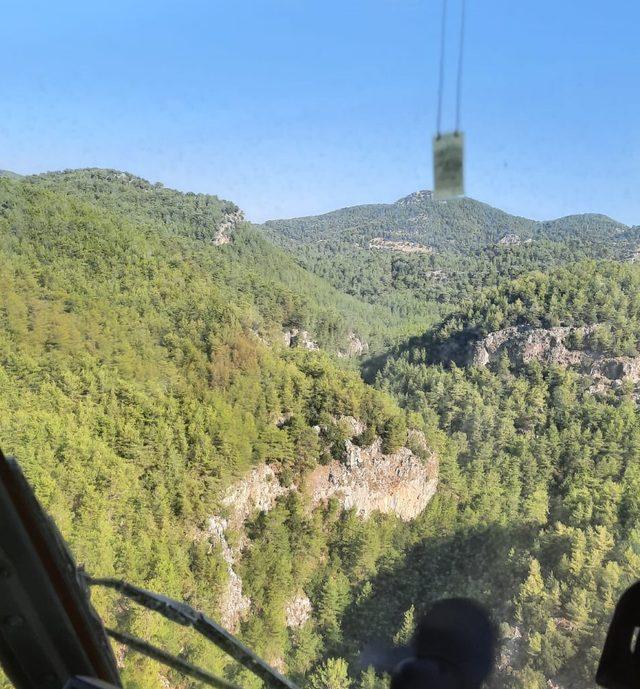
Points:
[(448, 165)]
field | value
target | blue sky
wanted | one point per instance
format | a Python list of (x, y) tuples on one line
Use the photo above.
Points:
[(292, 107)]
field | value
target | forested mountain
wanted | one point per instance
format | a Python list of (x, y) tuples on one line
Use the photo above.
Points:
[(143, 372), (152, 389), (599, 311), (420, 257), (459, 225), (543, 499), (281, 292)]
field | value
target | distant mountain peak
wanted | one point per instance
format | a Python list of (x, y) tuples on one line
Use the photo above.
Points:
[(416, 197)]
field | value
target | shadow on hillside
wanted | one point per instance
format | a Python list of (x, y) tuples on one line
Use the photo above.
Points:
[(369, 368), (425, 349), (478, 563)]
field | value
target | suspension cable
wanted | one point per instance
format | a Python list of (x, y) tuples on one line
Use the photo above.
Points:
[(463, 13), (460, 67), (443, 34), (183, 614)]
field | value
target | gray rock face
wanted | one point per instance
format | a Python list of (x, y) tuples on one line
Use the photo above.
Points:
[(299, 338), (370, 481), (258, 491), (524, 344), (437, 275), (415, 198), (355, 347), (400, 246), (355, 426), (510, 239), (367, 480), (227, 227), (234, 606), (298, 611)]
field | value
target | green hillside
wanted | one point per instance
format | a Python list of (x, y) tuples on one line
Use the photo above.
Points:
[(283, 293), (543, 502), (459, 225), (142, 371), (451, 250), (602, 295), (147, 377)]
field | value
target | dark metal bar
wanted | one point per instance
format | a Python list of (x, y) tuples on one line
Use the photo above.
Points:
[(185, 615), (169, 660), (48, 630)]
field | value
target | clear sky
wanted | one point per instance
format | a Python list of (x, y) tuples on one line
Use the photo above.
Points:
[(292, 107)]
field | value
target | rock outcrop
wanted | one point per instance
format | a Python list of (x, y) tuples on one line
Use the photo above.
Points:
[(227, 227), (404, 247), (366, 480), (437, 275), (510, 239), (369, 481), (355, 347), (299, 338), (257, 491), (416, 198), (234, 606), (298, 611), (523, 344)]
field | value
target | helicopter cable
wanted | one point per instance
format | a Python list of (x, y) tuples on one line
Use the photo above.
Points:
[(443, 33), (183, 614), (460, 63)]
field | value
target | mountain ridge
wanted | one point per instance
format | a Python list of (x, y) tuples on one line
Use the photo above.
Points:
[(420, 257), (423, 201), (427, 195), (143, 371), (210, 219)]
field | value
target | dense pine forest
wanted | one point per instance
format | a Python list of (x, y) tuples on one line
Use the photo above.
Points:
[(314, 428)]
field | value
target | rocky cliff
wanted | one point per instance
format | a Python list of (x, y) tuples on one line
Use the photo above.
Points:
[(401, 246), (523, 344), (225, 230), (354, 347), (234, 605), (299, 338), (369, 481), (366, 480)]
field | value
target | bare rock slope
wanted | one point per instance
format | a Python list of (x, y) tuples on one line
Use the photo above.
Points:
[(524, 344), (366, 480), (370, 481)]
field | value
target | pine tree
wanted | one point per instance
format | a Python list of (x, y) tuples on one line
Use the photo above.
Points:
[(403, 636), (332, 674)]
